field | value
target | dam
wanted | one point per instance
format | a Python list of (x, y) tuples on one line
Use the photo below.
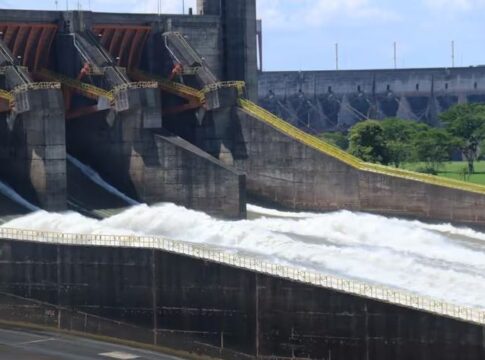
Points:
[(319, 101), (133, 153)]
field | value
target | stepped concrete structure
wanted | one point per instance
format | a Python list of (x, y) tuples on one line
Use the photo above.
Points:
[(163, 108)]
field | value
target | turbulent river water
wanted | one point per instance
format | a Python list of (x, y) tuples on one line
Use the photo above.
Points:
[(440, 261)]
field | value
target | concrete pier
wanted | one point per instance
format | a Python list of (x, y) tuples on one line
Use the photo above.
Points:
[(32, 131)]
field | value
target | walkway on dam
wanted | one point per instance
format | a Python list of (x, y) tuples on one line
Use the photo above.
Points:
[(17, 344)]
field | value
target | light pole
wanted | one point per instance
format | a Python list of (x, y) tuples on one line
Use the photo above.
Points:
[(453, 53), (395, 55), (336, 57)]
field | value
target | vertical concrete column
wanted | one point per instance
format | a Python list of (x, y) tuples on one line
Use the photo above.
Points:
[(239, 23), (43, 154), (218, 138), (240, 40), (209, 7), (35, 162)]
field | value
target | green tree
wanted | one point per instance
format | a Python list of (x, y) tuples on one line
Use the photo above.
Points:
[(399, 135), (337, 138), (433, 146), (466, 122), (366, 141)]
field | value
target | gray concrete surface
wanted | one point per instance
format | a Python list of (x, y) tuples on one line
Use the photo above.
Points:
[(20, 344), (178, 302), (335, 100), (32, 140), (285, 172)]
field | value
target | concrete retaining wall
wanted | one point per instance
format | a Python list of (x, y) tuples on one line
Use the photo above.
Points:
[(219, 307), (285, 172)]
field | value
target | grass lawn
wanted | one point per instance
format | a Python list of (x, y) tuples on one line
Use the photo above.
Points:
[(454, 170)]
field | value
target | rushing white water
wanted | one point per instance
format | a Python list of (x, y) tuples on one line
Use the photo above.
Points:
[(15, 197), (440, 261), (97, 179)]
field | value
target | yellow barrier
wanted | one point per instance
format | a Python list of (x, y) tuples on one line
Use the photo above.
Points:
[(239, 85), (171, 86), (348, 159), (36, 86), (180, 89), (88, 89), (135, 85), (10, 95), (215, 255), (6, 95)]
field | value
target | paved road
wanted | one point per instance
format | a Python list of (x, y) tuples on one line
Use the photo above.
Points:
[(18, 344)]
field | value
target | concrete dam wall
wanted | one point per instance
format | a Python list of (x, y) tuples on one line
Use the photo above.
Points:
[(188, 140), (155, 107), (102, 115), (335, 100), (149, 284), (288, 167)]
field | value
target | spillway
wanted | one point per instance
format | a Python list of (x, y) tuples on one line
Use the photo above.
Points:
[(13, 204), (438, 261), (90, 194)]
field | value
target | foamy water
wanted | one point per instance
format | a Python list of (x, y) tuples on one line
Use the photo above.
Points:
[(441, 261)]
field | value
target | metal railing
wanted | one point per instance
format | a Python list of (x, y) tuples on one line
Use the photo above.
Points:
[(7, 95), (188, 91), (175, 37), (182, 90), (3, 69), (212, 254), (87, 89), (36, 86), (171, 86), (135, 85), (239, 85), (348, 159)]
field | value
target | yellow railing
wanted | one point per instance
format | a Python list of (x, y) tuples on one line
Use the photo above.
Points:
[(239, 85), (10, 95), (88, 89), (36, 86), (215, 255), (170, 86), (7, 95), (181, 89), (348, 159), (177, 88), (135, 85)]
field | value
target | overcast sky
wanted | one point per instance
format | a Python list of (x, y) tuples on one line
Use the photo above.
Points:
[(301, 34)]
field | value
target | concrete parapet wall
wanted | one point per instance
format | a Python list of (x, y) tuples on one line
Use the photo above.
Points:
[(284, 171), (223, 307)]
